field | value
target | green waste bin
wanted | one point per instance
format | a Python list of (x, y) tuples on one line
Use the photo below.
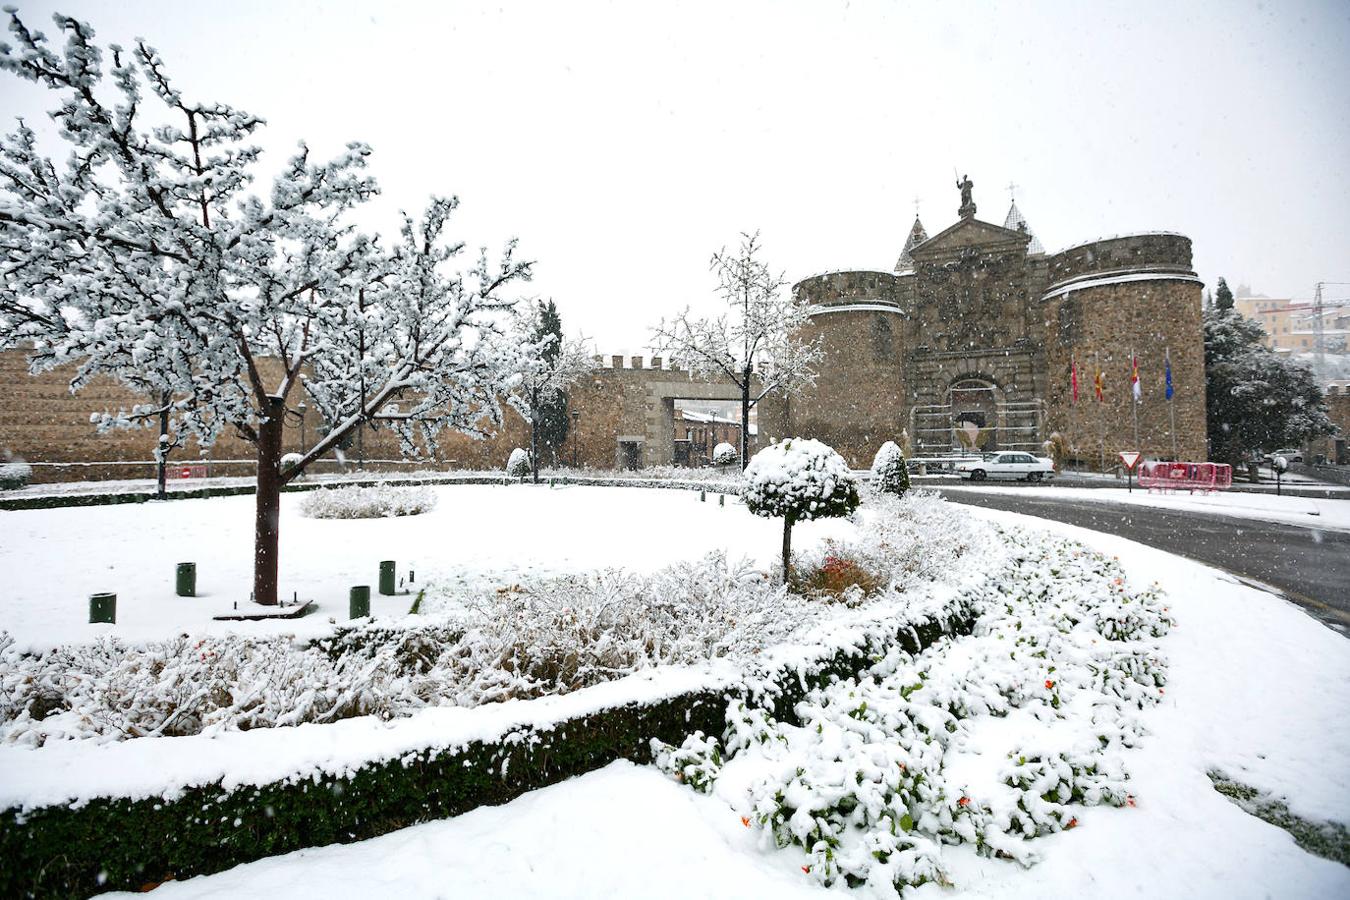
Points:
[(186, 581), (359, 601), (103, 608), (387, 585)]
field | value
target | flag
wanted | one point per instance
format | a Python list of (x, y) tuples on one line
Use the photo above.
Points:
[(1168, 374), (1134, 376), (1099, 383), (1073, 379)]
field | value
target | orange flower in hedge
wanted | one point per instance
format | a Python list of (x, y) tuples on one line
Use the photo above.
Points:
[(1129, 800), (964, 801), (1073, 823), (1049, 685), (806, 869), (745, 821)]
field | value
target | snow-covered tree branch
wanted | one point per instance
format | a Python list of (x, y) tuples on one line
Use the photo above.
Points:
[(754, 345), (549, 364), (147, 257)]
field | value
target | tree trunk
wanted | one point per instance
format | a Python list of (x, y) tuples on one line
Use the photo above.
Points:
[(267, 524), (162, 456), (787, 546), (534, 445), (745, 422)]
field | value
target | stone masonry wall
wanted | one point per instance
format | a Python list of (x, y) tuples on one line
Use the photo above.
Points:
[(1107, 323)]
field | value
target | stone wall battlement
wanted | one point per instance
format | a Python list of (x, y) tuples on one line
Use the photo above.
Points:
[(1138, 253), (838, 288)]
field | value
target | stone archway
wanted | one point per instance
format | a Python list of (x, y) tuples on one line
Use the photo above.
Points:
[(658, 447), (977, 406)]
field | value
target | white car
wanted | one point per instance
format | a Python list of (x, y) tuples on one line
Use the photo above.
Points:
[(1007, 464)]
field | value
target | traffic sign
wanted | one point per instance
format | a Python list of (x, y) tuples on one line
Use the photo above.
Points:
[(1129, 458)]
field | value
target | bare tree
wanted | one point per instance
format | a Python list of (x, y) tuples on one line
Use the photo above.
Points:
[(144, 258), (549, 365), (755, 344)]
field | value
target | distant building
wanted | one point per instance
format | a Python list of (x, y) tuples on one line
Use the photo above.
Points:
[(1291, 325), (699, 428)]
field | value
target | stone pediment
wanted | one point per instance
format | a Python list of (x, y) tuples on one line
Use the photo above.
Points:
[(970, 233)]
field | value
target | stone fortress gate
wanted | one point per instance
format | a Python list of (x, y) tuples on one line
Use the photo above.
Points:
[(970, 340)]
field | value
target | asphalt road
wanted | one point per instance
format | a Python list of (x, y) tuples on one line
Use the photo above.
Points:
[(1309, 566)]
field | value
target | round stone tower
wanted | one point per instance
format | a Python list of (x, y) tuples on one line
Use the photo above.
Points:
[(858, 398), (1108, 301)]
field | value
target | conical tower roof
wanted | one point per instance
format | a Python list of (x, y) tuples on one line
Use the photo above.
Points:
[(1018, 222), (917, 236)]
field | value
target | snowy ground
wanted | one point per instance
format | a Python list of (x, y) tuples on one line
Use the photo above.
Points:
[(492, 534), (1331, 515), (1256, 688)]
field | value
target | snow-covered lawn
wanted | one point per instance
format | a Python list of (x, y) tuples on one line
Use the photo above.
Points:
[(1255, 689), (478, 535), (1331, 515)]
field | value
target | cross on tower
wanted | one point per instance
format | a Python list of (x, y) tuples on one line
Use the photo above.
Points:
[(916, 206), (1012, 190)]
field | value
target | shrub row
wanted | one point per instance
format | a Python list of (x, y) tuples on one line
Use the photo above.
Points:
[(113, 498), (117, 843)]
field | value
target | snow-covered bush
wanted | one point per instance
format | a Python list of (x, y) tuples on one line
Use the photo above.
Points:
[(889, 472), (379, 501), (886, 768), (696, 762), (904, 541), (724, 454), (798, 480), (518, 464), (545, 637), (289, 460), (14, 475), (836, 577)]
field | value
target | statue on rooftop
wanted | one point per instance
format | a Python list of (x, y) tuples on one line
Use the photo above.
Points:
[(967, 209)]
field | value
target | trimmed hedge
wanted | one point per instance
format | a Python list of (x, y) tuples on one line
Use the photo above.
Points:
[(106, 844), (59, 501)]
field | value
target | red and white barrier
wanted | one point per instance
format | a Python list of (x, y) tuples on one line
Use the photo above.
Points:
[(1184, 476)]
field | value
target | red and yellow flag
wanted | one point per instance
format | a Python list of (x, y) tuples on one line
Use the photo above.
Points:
[(1099, 384)]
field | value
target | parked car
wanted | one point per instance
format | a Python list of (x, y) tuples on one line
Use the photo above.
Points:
[(1292, 454), (1007, 464)]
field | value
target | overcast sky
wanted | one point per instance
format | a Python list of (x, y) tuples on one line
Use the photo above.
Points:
[(623, 143)]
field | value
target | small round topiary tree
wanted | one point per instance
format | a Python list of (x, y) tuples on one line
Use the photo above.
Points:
[(889, 472), (724, 454), (798, 480), (518, 465)]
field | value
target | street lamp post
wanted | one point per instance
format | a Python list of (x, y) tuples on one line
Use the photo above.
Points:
[(576, 419), (301, 408)]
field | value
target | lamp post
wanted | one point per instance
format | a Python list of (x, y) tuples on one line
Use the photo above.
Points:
[(301, 407), (576, 419)]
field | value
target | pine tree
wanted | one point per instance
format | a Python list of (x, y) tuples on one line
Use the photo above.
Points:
[(549, 365), (552, 410), (1223, 297), (1256, 399), (889, 472)]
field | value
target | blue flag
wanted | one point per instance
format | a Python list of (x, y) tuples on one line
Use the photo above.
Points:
[(1169, 376)]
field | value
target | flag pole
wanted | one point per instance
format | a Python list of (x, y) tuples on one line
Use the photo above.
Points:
[(1134, 396), (1171, 410), (1073, 407), (1101, 412)]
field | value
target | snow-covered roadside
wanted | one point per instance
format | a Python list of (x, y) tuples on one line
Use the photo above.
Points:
[(1255, 688), (1329, 515)]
